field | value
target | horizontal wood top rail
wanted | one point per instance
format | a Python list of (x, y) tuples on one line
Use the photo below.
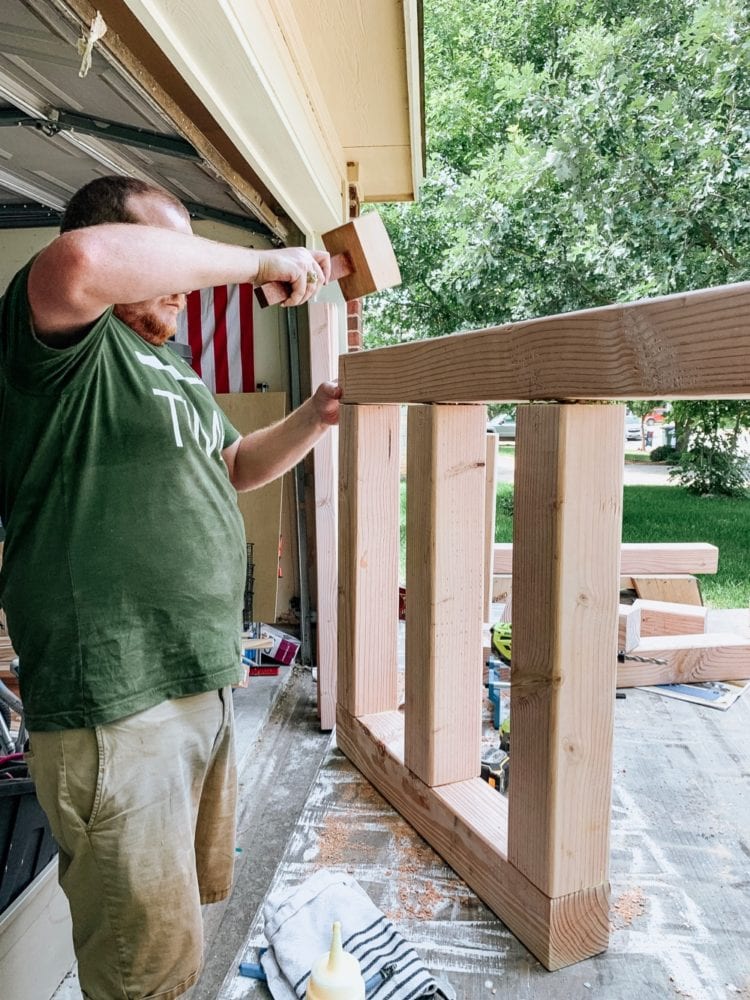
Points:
[(639, 558), (694, 345)]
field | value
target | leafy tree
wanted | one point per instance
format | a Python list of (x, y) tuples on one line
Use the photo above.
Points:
[(641, 408), (580, 152), (710, 459)]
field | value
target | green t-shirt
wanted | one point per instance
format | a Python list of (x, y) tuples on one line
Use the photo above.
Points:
[(124, 561)]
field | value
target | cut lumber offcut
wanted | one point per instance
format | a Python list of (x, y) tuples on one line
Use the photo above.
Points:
[(629, 627), (712, 656), (678, 588), (670, 618), (642, 558)]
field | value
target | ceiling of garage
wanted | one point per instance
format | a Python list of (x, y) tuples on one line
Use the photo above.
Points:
[(58, 130)]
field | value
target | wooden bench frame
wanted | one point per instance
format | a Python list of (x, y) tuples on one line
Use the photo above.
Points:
[(540, 859)]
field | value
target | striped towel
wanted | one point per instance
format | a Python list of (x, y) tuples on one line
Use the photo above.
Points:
[(298, 926)]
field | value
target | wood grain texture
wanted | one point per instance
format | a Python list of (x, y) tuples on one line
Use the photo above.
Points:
[(710, 656), (368, 558), (502, 587), (465, 823), (629, 627), (323, 322), (668, 618), (367, 245), (678, 588), (694, 345), (445, 570), (642, 558), (568, 510), (261, 508)]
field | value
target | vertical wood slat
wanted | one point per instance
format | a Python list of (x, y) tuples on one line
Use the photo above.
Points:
[(489, 524), (445, 572), (568, 508), (368, 558), (324, 368)]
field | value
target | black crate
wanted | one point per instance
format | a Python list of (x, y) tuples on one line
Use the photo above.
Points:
[(26, 842)]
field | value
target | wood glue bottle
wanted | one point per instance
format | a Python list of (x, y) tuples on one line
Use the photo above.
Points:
[(336, 975)]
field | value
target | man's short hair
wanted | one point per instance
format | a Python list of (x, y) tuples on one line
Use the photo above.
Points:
[(106, 200)]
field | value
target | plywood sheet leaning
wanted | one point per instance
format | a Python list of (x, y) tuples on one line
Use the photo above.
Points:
[(261, 508)]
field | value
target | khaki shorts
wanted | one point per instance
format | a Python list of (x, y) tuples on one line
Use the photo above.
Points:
[(144, 812)]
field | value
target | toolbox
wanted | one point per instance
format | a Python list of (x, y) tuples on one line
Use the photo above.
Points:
[(26, 842)]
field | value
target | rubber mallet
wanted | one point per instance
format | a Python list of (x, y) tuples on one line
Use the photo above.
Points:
[(362, 261)]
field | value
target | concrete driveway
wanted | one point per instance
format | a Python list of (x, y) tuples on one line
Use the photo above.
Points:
[(636, 473)]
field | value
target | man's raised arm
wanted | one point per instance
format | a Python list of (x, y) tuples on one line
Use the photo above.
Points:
[(84, 271)]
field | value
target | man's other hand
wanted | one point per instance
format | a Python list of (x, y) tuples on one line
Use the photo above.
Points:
[(325, 400)]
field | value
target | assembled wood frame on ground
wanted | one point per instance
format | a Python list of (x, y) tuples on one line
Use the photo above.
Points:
[(540, 859)]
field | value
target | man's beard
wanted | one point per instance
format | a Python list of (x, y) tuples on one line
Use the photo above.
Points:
[(146, 325)]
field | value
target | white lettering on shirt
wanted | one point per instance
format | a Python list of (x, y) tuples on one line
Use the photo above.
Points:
[(173, 399), (211, 442), (151, 362)]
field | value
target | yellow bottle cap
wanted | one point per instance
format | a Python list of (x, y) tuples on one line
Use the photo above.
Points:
[(336, 975)]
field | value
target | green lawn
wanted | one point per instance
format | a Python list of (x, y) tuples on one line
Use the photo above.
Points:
[(669, 514)]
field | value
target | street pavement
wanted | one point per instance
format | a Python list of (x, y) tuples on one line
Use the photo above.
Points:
[(636, 473)]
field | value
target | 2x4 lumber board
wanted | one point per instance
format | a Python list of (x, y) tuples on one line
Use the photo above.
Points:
[(445, 560), (694, 345), (323, 368), (568, 512), (490, 517), (677, 588), (629, 627), (369, 507), (711, 656), (642, 558), (669, 618), (465, 823)]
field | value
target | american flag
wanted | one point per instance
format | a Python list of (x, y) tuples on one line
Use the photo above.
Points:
[(218, 326)]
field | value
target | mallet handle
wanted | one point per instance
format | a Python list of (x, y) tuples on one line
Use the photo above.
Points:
[(274, 292)]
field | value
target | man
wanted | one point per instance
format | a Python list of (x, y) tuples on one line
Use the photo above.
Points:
[(123, 569)]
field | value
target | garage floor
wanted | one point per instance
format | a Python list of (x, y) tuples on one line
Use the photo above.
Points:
[(680, 856)]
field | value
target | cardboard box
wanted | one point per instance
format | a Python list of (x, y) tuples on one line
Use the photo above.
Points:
[(284, 647)]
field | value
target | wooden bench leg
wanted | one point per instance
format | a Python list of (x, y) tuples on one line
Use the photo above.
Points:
[(568, 508), (445, 581), (368, 558)]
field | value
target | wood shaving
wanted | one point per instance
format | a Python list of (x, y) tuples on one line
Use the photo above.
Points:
[(629, 906)]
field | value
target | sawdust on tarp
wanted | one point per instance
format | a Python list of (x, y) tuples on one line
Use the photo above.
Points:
[(412, 861), (338, 845), (628, 906)]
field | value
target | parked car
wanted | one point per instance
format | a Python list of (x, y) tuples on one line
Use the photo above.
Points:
[(504, 426), (657, 416), (632, 427)]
